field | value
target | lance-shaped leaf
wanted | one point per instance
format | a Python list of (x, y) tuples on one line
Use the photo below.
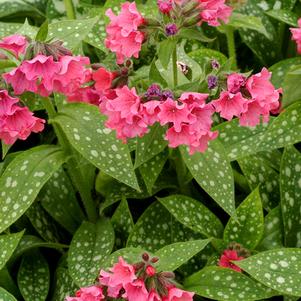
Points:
[(285, 16), (290, 182), (23, 179), (225, 284), (248, 228), (72, 32), (278, 269), (258, 172), (205, 55), (157, 228), (273, 236), (34, 277), (193, 214), (6, 296), (213, 172), (90, 245), (150, 145), (173, 256), (8, 243), (291, 89), (84, 127)]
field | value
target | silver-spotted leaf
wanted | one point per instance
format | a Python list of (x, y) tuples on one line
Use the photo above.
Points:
[(247, 230), (90, 245), (6, 296)]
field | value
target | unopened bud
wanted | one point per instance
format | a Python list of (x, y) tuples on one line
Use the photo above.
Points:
[(155, 259), (168, 275), (171, 29), (150, 271), (138, 266), (145, 257), (212, 82), (165, 6)]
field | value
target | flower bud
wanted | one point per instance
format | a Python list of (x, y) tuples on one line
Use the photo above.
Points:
[(171, 29), (150, 271), (145, 257), (155, 259), (165, 6), (212, 82)]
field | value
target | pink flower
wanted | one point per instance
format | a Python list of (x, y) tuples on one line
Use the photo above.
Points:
[(85, 94), (15, 43), (19, 123), (230, 105), (92, 293), (7, 104), (227, 257), (172, 112), (234, 82), (153, 296), (165, 6), (136, 291), (214, 11), (176, 138), (296, 36), (176, 294), (123, 36), (201, 142), (192, 98), (151, 111), (103, 79), (72, 73)]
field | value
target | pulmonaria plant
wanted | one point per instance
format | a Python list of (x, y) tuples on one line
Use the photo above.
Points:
[(133, 282)]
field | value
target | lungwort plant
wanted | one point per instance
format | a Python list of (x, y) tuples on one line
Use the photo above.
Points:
[(150, 150)]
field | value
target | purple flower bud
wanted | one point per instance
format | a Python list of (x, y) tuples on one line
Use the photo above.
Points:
[(153, 91), (167, 94), (171, 29), (215, 64), (212, 82)]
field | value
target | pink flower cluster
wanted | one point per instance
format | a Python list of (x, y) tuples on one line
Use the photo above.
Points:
[(226, 260), (215, 11), (16, 44), (139, 282), (296, 36), (189, 118), (16, 122), (249, 99), (123, 34)]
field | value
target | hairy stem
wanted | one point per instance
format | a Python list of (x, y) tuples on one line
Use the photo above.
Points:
[(175, 67), (231, 45)]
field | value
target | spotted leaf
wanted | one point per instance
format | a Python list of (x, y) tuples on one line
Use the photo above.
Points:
[(9, 243), (225, 284), (6, 296), (285, 16), (258, 172), (72, 32), (213, 172), (290, 182), (157, 228), (23, 179), (193, 214), (173, 256), (278, 269), (248, 228), (84, 128), (90, 245), (34, 277)]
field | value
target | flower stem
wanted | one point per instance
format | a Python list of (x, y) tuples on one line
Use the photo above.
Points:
[(231, 45), (175, 67), (70, 11), (72, 165)]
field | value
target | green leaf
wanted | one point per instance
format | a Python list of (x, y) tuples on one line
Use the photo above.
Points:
[(7, 29), (23, 179), (171, 257), (84, 127), (290, 183), (249, 22), (291, 89), (151, 169), (248, 228), (122, 222), (72, 32), (155, 75), (6, 296), (193, 214), (5, 149), (157, 228), (273, 236), (58, 198), (43, 32), (204, 55), (8, 283), (8, 243), (194, 34), (90, 245), (165, 51), (64, 285), (225, 284), (34, 277), (285, 16), (213, 172), (27, 30), (8, 8), (42, 222), (278, 269), (279, 72), (258, 172), (150, 145)]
